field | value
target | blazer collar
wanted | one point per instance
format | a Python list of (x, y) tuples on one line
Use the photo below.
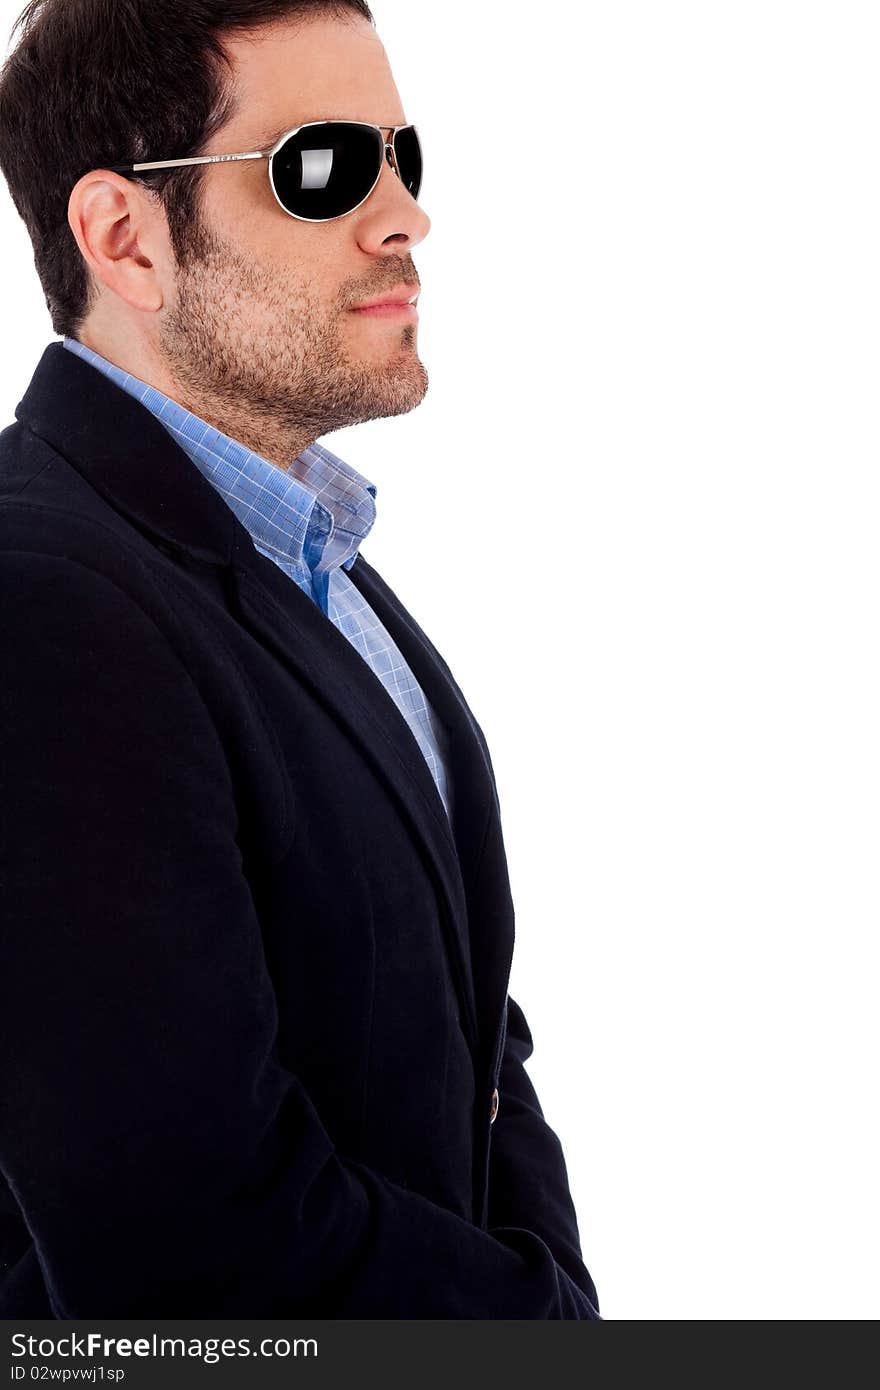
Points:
[(124, 452), (127, 455)]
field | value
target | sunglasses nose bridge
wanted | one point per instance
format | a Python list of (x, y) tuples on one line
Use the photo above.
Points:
[(391, 156)]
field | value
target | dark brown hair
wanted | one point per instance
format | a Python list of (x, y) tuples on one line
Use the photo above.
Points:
[(94, 83)]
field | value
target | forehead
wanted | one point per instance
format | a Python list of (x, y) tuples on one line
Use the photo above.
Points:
[(317, 69)]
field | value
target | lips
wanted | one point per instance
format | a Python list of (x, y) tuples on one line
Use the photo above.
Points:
[(402, 294), (383, 304), (399, 309)]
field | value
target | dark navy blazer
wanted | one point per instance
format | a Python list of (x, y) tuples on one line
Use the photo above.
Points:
[(253, 984)]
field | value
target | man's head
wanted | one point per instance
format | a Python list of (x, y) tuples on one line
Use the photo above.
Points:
[(196, 279)]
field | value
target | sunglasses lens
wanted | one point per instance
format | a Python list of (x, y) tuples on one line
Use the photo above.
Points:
[(409, 158), (325, 170)]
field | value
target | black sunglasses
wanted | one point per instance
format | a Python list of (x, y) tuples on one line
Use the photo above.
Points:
[(323, 169)]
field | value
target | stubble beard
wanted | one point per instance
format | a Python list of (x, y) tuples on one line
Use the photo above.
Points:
[(285, 361)]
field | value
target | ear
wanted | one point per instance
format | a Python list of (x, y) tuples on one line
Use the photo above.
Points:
[(122, 234)]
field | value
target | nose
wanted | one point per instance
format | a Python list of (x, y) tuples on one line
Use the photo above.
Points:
[(391, 214)]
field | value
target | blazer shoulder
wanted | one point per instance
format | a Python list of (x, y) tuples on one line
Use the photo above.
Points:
[(43, 497), (68, 558), (48, 509)]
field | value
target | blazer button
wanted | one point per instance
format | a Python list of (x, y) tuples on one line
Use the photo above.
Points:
[(494, 1111)]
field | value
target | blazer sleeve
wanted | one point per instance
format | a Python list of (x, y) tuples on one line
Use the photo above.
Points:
[(528, 1177), (164, 1161)]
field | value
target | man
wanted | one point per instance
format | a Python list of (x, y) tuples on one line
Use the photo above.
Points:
[(257, 1056)]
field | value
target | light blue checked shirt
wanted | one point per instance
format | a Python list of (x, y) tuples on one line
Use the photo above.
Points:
[(310, 521)]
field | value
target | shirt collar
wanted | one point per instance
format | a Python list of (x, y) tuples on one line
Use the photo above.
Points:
[(314, 515)]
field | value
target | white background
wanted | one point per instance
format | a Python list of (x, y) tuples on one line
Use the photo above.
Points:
[(637, 513)]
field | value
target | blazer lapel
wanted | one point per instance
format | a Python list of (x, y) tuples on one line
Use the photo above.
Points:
[(286, 620), (476, 813), (473, 780)]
